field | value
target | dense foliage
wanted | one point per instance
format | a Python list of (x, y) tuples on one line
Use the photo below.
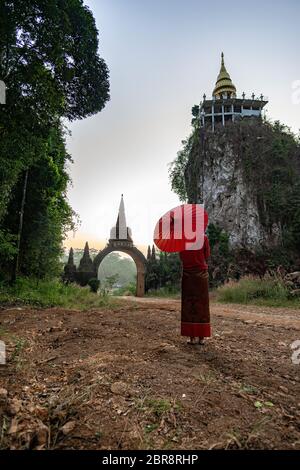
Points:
[(51, 293), (94, 284), (177, 170), (163, 271), (47, 214), (52, 70), (267, 291)]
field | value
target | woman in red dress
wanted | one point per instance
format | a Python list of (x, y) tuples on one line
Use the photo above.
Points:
[(195, 316)]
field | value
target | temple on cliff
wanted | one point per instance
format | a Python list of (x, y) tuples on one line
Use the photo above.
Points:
[(225, 105)]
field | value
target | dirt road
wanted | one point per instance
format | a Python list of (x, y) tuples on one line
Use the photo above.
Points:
[(123, 378)]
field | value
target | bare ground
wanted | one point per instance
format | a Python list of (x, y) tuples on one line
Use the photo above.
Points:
[(123, 378)]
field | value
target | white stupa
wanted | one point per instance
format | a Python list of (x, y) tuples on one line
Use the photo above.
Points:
[(120, 231)]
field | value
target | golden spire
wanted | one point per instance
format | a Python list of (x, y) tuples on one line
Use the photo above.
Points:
[(224, 83)]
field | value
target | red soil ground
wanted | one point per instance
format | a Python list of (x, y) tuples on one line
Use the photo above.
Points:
[(123, 378)]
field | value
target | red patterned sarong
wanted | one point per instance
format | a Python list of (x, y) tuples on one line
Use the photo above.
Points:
[(195, 316)]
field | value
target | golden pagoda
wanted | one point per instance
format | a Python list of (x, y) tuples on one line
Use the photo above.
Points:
[(225, 106), (224, 85)]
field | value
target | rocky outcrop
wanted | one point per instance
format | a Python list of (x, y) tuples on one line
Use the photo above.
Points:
[(227, 170)]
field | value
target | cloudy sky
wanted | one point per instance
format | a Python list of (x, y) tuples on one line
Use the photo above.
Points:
[(162, 56)]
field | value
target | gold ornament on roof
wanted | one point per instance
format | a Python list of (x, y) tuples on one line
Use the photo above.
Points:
[(224, 86)]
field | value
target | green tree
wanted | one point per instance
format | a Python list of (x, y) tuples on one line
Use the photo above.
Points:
[(111, 280), (47, 213), (50, 64), (177, 170), (165, 271)]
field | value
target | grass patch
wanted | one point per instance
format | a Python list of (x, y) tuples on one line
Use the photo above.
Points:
[(206, 378), (237, 439), (51, 293), (268, 291), (150, 427), (158, 407), (249, 389), (168, 292), (158, 416), (129, 290), (18, 349), (17, 346), (164, 292)]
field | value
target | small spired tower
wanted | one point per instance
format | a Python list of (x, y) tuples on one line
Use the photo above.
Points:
[(86, 263), (120, 234), (70, 268), (225, 105), (86, 269)]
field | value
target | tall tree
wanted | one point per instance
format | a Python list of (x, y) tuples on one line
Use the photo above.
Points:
[(47, 214), (50, 64)]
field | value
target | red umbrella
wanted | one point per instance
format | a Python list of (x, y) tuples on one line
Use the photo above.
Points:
[(181, 228)]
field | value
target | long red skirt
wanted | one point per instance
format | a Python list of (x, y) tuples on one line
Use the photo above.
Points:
[(195, 316)]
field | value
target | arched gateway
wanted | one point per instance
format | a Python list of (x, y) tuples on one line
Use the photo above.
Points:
[(120, 240), (136, 255)]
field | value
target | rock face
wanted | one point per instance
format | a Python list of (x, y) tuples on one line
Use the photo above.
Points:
[(216, 175)]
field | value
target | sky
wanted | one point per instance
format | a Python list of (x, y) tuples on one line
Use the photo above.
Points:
[(162, 56)]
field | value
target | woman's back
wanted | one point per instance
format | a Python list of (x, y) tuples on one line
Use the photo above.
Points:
[(193, 258)]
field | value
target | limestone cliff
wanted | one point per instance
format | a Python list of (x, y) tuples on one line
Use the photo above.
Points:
[(247, 175)]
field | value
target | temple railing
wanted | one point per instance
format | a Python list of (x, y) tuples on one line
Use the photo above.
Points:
[(242, 97)]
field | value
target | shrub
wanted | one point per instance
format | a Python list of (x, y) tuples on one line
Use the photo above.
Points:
[(269, 291), (94, 284), (167, 291), (50, 293), (129, 290)]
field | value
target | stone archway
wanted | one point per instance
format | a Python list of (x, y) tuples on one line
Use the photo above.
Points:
[(137, 256)]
